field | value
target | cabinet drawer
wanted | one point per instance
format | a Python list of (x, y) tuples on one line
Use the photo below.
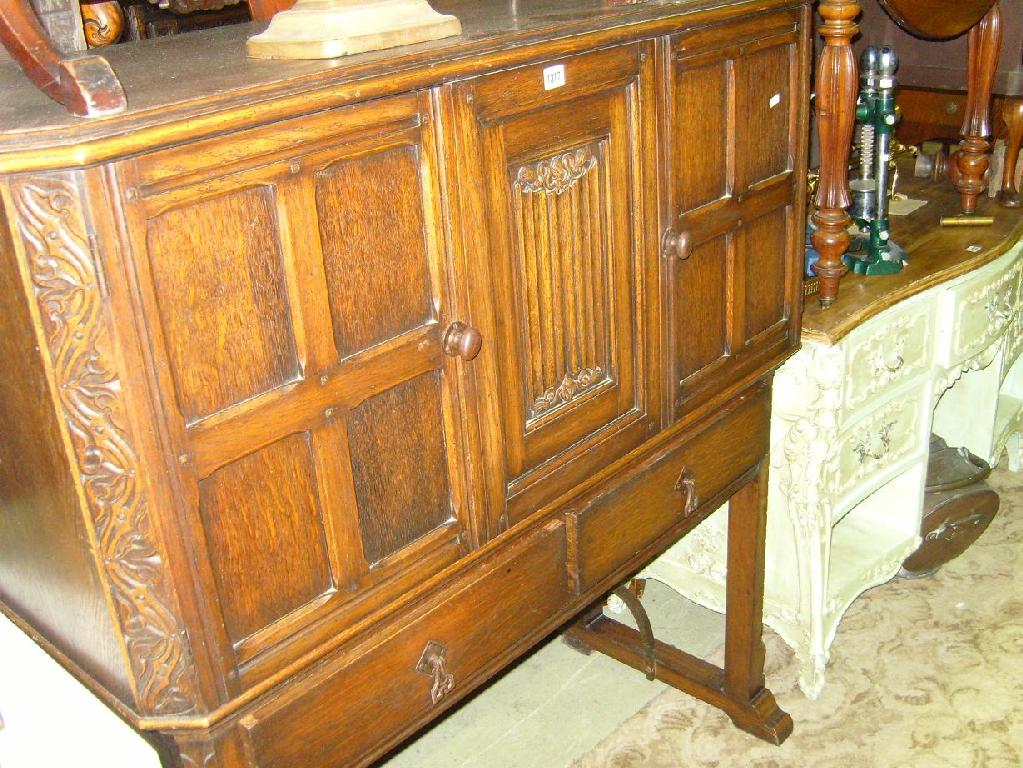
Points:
[(981, 308), (892, 351), (341, 714), (665, 488), (875, 449)]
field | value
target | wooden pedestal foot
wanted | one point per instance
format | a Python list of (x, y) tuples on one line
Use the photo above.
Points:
[(1012, 113), (836, 116), (758, 715), (973, 159)]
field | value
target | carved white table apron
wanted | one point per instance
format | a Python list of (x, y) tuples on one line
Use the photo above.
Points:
[(851, 423)]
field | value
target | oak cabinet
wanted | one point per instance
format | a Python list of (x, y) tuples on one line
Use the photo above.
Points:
[(298, 298), (363, 377), (734, 132), (567, 296)]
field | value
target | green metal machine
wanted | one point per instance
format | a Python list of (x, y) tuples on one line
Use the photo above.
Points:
[(872, 252)]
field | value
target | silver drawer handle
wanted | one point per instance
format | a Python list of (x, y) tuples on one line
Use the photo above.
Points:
[(896, 366), (999, 310), (884, 438), (431, 664)]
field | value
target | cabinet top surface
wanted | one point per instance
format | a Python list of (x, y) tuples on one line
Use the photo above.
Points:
[(936, 255), (207, 74)]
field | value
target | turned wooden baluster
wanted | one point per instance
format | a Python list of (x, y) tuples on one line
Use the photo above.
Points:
[(85, 86), (973, 159), (1012, 113), (836, 116)]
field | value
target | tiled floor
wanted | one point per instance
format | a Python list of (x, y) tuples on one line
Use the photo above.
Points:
[(558, 704)]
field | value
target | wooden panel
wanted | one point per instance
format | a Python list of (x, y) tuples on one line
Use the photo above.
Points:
[(495, 612), (374, 246), (566, 297), (700, 134), (399, 466), (222, 300), (764, 245), (563, 248), (734, 293), (700, 308), (265, 535), (763, 114)]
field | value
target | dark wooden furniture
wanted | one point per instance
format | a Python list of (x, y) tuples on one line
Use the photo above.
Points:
[(333, 387), (933, 80), (837, 84)]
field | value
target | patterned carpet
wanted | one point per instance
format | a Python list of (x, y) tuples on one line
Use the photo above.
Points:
[(924, 673)]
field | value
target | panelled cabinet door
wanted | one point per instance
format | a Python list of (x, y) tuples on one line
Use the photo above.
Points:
[(551, 167), (306, 341), (735, 112)]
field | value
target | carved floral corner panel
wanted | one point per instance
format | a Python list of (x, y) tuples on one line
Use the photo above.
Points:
[(68, 288)]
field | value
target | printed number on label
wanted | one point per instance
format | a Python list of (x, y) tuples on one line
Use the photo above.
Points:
[(553, 77)]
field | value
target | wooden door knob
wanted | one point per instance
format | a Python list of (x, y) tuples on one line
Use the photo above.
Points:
[(461, 340), (676, 245)]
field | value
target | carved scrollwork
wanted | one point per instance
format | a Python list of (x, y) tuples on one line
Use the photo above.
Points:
[(572, 385), (556, 174), (808, 392), (66, 282)]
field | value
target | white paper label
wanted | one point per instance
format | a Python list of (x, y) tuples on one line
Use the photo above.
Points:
[(974, 248), (553, 77), (775, 101)]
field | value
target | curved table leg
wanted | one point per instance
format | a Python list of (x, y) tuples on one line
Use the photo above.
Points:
[(1012, 113), (86, 86), (836, 115), (972, 159)]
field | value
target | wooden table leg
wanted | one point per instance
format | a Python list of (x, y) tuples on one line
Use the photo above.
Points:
[(1012, 113), (738, 688), (86, 86), (744, 608), (973, 158), (836, 116)]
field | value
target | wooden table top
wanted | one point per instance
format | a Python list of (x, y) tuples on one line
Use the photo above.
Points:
[(203, 82), (936, 254)]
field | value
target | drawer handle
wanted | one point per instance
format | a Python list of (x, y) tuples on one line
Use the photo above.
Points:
[(431, 664), (675, 244), (999, 310), (461, 340), (883, 439), (896, 365), (686, 487)]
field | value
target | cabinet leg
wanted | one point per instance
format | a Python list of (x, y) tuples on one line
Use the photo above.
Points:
[(1014, 449), (811, 674), (744, 607), (1012, 113), (738, 688), (202, 749), (972, 159)]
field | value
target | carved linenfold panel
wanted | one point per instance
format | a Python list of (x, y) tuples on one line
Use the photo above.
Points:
[(561, 209), (68, 290)]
